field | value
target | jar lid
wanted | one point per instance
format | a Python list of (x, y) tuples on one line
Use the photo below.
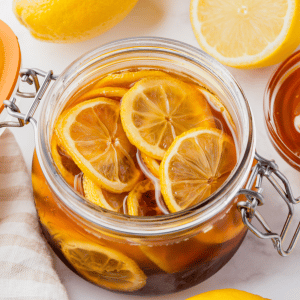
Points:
[(10, 62)]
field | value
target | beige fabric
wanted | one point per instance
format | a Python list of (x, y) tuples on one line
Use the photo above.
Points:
[(26, 267)]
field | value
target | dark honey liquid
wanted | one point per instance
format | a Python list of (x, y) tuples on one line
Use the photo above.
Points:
[(285, 111)]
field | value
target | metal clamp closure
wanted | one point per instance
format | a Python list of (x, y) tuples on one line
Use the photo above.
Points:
[(268, 169), (30, 76)]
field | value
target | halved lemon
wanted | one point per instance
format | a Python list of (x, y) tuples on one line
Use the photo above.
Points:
[(93, 136), (99, 196), (63, 161), (156, 110), (248, 33), (196, 165), (108, 92), (141, 200), (104, 266), (151, 163), (127, 79)]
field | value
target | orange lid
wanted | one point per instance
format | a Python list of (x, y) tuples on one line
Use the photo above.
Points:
[(10, 62)]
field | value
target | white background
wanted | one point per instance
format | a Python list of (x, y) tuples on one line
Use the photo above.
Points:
[(256, 267)]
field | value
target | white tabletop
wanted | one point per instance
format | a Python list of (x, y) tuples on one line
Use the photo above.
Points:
[(256, 267)]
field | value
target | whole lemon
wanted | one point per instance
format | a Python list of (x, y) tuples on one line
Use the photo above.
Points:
[(69, 21), (227, 294)]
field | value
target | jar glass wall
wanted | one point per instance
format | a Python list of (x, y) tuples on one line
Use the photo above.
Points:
[(281, 108), (151, 255)]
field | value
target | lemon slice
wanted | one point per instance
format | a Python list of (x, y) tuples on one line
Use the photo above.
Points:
[(197, 164), (217, 105), (156, 110), (108, 92), (248, 33), (152, 164), (95, 194), (104, 266), (141, 200), (127, 79), (93, 136), (63, 161)]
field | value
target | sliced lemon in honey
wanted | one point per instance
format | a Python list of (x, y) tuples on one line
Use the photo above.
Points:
[(103, 198), (217, 105), (156, 110), (108, 92), (141, 200), (127, 79), (151, 163), (104, 266), (63, 161), (93, 136), (196, 165)]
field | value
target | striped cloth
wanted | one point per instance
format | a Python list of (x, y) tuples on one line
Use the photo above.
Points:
[(26, 267)]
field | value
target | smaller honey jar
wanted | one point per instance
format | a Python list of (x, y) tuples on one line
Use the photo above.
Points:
[(282, 110)]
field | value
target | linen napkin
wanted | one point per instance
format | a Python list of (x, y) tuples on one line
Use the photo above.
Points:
[(26, 266)]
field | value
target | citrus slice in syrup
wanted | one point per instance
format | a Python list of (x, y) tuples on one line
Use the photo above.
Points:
[(156, 110), (108, 92), (127, 79), (101, 197), (151, 163), (63, 161), (93, 136), (196, 165), (104, 266), (217, 105), (141, 200)]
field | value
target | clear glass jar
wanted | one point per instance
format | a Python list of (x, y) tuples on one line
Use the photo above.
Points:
[(165, 253), (281, 107)]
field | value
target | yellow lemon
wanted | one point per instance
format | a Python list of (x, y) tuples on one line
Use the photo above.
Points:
[(69, 21), (227, 294), (248, 33)]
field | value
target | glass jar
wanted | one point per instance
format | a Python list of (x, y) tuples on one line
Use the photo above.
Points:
[(281, 107), (148, 255)]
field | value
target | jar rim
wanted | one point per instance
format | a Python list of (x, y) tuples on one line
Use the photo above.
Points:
[(275, 79), (165, 224)]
